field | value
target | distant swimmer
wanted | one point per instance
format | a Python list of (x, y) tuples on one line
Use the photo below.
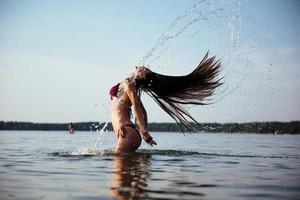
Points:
[(71, 128), (169, 92)]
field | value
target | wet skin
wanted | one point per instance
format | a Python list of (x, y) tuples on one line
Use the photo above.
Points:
[(129, 139)]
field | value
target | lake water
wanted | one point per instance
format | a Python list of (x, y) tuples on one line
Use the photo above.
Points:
[(57, 165)]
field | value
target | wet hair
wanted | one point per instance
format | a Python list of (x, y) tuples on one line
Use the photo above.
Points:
[(171, 92)]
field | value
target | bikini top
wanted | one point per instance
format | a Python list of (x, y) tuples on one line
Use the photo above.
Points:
[(114, 91)]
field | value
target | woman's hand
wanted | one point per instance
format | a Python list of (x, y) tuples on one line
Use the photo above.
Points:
[(148, 138), (152, 142)]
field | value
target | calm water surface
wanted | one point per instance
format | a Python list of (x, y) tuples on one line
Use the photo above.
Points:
[(56, 165)]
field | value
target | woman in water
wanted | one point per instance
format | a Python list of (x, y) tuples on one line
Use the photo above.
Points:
[(169, 92)]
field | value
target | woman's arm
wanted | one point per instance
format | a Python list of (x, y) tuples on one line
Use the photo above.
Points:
[(139, 111)]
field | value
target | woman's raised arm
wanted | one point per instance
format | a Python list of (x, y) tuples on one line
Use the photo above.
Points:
[(139, 112)]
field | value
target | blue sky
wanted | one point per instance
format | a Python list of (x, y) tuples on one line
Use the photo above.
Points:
[(58, 59)]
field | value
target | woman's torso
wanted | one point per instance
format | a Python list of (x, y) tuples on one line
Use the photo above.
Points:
[(121, 108)]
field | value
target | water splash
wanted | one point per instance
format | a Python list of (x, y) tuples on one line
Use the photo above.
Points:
[(167, 153), (245, 50), (85, 152), (99, 129), (197, 22), (98, 142), (95, 149), (203, 13)]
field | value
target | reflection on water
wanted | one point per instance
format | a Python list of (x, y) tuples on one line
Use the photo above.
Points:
[(130, 174), (185, 174), (38, 165), (134, 178)]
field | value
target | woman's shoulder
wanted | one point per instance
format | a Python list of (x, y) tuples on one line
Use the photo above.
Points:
[(129, 84)]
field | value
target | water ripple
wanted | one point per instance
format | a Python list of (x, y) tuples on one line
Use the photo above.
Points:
[(170, 153)]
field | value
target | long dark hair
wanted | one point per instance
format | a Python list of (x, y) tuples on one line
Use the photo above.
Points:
[(170, 92)]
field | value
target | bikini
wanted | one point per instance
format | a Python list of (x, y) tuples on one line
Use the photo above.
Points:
[(122, 130), (114, 93)]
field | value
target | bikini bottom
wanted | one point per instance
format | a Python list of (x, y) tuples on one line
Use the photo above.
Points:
[(122, 131)]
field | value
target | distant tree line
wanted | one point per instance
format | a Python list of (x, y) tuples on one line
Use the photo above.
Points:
[(292, 127), (80, 126)]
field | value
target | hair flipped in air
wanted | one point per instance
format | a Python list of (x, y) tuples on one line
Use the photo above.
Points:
[(171, 92)]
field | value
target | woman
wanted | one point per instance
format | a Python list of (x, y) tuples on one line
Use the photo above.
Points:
[(169, 92)]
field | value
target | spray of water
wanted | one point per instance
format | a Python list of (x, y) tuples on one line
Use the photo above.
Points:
[(203, 13), (206, 17), (222, 17), (98, 142), (201, 19), (244, 49)]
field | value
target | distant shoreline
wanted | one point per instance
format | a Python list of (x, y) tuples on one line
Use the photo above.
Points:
[(292, 127)]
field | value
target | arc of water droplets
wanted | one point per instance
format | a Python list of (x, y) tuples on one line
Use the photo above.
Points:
[(217, 17), (189, 17)]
